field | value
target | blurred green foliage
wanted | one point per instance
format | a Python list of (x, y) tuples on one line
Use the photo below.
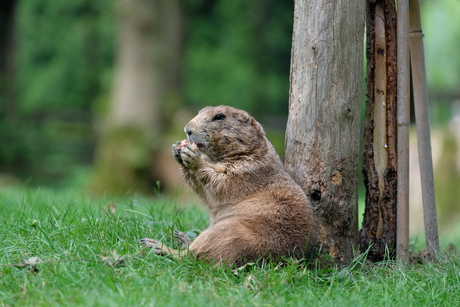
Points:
[(64, 55), (236, 52), (441, 27), (64, 49)]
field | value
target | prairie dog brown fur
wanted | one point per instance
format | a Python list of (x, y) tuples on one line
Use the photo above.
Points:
[(257, 211)]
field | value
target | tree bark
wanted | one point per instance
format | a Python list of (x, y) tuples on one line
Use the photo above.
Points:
[(378, 234), (147, 66), (322, 136)]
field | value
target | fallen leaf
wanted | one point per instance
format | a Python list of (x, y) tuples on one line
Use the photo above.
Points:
[(30, 264), (115, 260)]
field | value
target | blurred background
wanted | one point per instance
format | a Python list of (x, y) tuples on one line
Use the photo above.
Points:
[(93, 93)]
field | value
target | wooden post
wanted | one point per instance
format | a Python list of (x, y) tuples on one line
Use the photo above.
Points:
[(322, 135), (403, 120), (417, 55), (378, 233)]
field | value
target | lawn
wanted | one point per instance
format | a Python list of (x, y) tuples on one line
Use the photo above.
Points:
[(89, 255)]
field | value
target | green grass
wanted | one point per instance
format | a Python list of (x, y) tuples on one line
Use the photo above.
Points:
[(79, 245)]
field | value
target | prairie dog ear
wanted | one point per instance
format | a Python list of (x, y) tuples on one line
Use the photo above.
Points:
[(246, 117), (248, 120)]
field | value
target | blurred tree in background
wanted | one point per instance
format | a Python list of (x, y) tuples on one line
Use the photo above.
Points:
[(147, 76), (7, 50)]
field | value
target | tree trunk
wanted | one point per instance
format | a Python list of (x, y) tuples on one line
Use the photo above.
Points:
[(378, 234), (147, 67), (322, 136)]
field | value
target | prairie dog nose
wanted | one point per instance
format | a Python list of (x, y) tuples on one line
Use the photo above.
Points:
[(187, 130)]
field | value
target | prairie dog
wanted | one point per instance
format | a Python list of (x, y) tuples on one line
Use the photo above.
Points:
[(257, 211)]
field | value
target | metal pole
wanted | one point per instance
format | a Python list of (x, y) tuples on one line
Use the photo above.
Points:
[(417, 55), (403, 121)]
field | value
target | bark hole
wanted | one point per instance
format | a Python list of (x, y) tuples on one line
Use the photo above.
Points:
[(316, 195)]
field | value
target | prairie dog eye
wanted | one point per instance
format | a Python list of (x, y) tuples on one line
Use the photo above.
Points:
[(218, 117)]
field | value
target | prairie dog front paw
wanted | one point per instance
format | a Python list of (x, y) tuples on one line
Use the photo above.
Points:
[(176, 152), (186, 153)]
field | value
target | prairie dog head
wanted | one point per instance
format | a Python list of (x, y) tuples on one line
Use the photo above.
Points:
[(225, 132)]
